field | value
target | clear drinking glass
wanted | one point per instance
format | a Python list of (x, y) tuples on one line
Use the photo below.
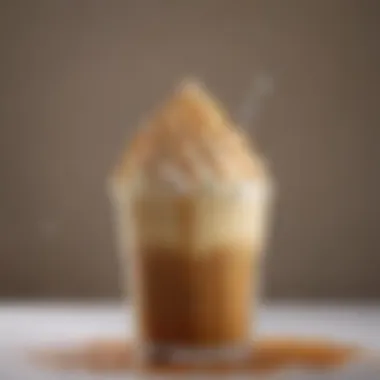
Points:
[(193, 267)]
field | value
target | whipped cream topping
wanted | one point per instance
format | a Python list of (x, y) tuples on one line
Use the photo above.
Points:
[(190, 142)]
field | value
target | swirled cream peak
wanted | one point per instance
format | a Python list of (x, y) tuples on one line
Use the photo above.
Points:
[(190, 141)]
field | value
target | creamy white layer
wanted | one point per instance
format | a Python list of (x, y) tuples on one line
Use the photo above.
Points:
[(204, 221)]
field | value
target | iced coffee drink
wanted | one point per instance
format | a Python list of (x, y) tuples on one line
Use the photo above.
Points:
[(191, 199)]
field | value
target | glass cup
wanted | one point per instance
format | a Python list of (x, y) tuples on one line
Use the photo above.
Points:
[(192, 262)]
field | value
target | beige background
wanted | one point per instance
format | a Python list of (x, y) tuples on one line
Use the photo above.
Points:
[(75, 77)]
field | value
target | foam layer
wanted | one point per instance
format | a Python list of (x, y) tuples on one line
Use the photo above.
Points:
[(189, 142), (203, 222)]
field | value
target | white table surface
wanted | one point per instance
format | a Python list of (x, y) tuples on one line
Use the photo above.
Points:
[(40, 324)]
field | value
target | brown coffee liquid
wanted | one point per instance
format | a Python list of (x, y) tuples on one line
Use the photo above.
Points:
[(195, 272), (195, 300)]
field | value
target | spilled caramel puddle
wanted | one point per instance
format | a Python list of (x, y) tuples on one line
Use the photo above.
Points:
[(269, 355)]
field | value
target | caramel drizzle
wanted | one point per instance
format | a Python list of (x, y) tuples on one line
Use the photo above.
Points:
[(270, 355)]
